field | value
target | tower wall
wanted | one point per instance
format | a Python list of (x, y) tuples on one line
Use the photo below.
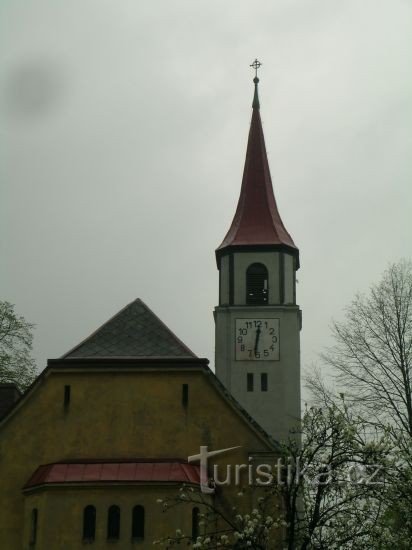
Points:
[(277, 408)]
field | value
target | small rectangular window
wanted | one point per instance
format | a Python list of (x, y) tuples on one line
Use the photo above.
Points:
[(185, 395), (249, 381), (138, 523), (66, 396), (33, 527), (264, 381)]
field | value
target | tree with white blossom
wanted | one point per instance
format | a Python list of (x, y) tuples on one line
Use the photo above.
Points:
[(321, 496), (371, 364)]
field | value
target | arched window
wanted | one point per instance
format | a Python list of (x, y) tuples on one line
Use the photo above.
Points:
[(195, 523), (138, 523), (33, 527), (89, 523), (113, 523), (257, 284)]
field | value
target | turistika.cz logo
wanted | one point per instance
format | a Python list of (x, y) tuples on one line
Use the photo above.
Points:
[(285, 471)]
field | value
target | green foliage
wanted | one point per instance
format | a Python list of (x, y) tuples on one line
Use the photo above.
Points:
[(16, 339)]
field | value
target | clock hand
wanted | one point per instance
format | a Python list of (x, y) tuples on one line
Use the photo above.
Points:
[(257, 339)]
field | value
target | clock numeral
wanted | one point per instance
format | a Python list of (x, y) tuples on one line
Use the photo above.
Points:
[(242, 347), (266, 353), (239, 339), (274, 339), (257, 354), (271, 331)]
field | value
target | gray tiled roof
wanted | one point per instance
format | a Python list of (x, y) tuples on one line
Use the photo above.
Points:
[(133, 332)]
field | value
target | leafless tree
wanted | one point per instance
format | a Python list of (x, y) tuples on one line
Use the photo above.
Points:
[(371, 362), (372, 355)]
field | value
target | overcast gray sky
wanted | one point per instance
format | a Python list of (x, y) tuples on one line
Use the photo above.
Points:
[(124, 128)]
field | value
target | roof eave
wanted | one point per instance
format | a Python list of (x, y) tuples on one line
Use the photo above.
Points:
[(231, 248), (116, 362)]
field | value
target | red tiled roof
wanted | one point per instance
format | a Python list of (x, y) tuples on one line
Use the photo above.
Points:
[(257, 220), (112, 471)]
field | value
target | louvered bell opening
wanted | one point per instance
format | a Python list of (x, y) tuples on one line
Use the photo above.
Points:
[(257, 284)]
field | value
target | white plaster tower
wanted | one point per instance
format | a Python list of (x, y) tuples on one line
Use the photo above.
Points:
[(257, 320)]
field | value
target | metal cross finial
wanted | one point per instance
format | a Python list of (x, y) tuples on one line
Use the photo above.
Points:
[(256, 64)]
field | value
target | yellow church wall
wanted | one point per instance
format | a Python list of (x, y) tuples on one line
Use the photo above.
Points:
[(60, 519), (130, 413)]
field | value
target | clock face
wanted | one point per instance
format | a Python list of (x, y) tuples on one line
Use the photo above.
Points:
[(257, 340)]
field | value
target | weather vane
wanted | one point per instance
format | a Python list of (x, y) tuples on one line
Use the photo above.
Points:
[(256, 64)]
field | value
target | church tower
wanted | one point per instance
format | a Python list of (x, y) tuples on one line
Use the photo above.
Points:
[(257, 320)]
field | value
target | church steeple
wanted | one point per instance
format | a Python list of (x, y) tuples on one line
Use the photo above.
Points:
[(257, 222), (257, 350)]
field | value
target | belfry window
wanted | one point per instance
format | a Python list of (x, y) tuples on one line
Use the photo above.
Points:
[(89, 523), (138, 523), (257, 284), (113, 523)]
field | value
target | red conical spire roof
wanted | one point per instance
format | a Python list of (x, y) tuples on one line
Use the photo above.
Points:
[(257, 220)]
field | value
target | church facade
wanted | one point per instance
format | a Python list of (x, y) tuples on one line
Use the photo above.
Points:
[(117, 425)]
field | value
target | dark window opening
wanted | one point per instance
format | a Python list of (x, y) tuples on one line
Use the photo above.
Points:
[(113, 523), (257, 284), (89, 523), (185, 395), (264, 381), (195, 523), (138, 523), (249, 381), (281, 278), (231, 280), (33, 527), (66, 396)]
